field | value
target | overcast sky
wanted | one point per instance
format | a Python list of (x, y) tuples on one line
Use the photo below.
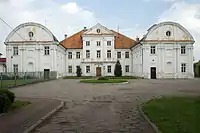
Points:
[(134, 17)]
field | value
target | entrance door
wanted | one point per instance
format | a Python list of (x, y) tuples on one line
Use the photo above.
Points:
[(46, 73), (98, 71), (153, 72)]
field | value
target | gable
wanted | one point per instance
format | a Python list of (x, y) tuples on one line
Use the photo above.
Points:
[(168, 31), (98, 29)]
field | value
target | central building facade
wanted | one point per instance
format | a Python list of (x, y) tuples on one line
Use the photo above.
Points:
[(96, 51)]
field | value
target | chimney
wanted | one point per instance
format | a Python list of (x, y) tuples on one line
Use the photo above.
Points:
[(85, 28), (65, 35), (137, 39)]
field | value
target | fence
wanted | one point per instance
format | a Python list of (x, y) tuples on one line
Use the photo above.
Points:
[(9, 79)]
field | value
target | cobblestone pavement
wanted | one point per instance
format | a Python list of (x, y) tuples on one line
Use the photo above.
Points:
[(106, 108)]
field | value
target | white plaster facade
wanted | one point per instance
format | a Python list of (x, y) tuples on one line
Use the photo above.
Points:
[(168, 38)]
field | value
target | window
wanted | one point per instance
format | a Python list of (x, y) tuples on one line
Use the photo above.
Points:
[(69, 55), (168, 33), (78, 55), (127, 68), (183, 67), (126, 54), (46, 50), (98, 30), (87, 43), (15, 50), (98, 54), (109, 69), (98, 43), (87, 69), (87, 53), (153, 49), (109, 43), (70, 69), (15, 68), (183, 49), (118, 55), (108, 53)]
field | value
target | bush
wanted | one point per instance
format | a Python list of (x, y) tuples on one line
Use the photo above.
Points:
[(5, 103), (102, 78), (5, 77), (10, 94), (118, 69)]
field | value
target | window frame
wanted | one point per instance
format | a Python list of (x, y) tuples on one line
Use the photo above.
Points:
[(70, 69), (109, 55), (153, 49), (127, 67), (87, 43), (183, 67), (87, 69), (15, 50), (98, 43), (98, 53), (15, 68), (78, 55), (127, 55), (69, 55), (46, 50), (109, 69), (183, 50), (119, 53), (109, 43), (87, 54)]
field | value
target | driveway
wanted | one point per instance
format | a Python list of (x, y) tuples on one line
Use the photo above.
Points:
[(103, 108)]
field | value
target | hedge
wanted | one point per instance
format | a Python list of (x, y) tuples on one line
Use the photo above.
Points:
[(6, 99)]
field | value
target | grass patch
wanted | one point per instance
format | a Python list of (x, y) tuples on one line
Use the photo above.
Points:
[(174, 114), (18, 104), (104, 81), (10, 83), (124, 77), (75, 77)]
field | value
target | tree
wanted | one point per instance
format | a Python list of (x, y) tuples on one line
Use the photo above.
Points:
[(78, 71), (118, 69)]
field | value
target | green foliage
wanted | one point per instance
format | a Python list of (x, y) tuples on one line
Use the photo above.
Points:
[(174, 114), (10, 94), (75, 77), (5, 103), (118, 69), (104, 81), (78, 71)]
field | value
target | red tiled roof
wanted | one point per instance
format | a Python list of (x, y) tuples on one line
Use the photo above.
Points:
[(75, 41)]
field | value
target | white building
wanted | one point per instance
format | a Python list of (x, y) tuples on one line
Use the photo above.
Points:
[(166, 51), (32, 48)]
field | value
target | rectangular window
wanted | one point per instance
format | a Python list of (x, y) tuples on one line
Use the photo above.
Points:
[(126, 54), (98, 43), (69, 55), (108, 53), (118, 55), (183, 49), (183, 67), (109, 43), (78, 55), (46, 50), (153, 49), (70, 69), (87, 53), (98, 54), (127, 68), (87, 69), (15, 68), (87, 43), (15, 50), (109, 69)]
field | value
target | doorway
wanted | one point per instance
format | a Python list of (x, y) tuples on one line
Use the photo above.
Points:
[(98, 71), (46, 73), (153, 72)]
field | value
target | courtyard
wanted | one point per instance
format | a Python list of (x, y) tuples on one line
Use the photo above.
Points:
[(98, 108)]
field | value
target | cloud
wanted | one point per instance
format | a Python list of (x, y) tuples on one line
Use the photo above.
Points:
[(61, 19), (188, 15)]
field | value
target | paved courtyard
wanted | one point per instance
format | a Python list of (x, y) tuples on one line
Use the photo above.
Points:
[(103, 108)]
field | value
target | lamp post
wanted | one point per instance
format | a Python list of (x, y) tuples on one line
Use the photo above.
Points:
[(11, 63)]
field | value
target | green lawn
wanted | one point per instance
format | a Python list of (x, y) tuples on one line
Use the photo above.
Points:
[(18, 104), (75, 77), (175, 114), (124, 77), (104, 81), (7, 83)]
